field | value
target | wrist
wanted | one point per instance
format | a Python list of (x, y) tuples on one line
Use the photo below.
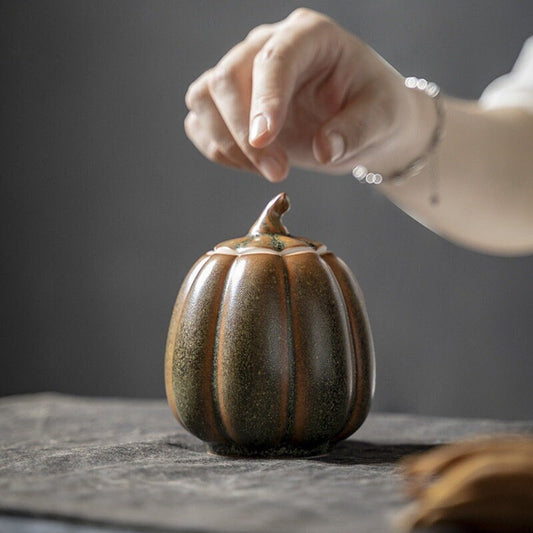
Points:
[(418, 130), (414, 138)]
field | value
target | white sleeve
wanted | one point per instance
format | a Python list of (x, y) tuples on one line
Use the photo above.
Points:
[(516, 88)]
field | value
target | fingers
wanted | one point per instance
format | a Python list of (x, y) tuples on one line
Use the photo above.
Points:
[(303, 88), (305, 78), (297, 50), (206, 129), (241, 105), (219, 101), (213, 140), (230, 88)]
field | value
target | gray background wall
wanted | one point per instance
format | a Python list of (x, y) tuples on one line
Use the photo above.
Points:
[(105, 204)]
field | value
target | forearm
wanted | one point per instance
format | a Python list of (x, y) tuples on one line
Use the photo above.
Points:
[(484, 172)]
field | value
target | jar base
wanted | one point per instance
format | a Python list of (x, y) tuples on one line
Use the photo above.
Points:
[(282, 452)]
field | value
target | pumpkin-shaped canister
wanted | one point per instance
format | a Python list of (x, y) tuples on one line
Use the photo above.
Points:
[(269, 349)]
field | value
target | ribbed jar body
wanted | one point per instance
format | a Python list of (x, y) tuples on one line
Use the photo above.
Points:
[(270, 352)]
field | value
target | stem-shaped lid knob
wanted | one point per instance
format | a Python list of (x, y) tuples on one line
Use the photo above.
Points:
[(269, 222), (269, 234)]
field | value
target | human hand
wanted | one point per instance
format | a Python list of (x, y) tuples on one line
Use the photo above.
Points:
[(307, 93)]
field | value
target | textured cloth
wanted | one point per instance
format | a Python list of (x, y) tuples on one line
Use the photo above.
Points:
[(516, 88), (127, 462)]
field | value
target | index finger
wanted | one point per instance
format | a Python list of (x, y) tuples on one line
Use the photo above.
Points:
[(299, 49)]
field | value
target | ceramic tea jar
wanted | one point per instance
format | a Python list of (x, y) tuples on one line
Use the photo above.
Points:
[(269, 350)]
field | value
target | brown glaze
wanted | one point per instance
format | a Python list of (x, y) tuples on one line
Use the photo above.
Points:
[(269, 351)]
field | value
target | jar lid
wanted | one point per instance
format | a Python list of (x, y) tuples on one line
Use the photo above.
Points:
[(269, 235)]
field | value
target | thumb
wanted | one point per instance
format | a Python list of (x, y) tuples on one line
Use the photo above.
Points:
[(360, 124)]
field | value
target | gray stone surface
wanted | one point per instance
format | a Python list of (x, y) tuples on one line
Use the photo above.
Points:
[(127, 463)]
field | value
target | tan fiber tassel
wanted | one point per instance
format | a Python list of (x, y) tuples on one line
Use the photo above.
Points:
[(485, 484)]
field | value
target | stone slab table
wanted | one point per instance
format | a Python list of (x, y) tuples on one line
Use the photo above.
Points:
[(91, 464)]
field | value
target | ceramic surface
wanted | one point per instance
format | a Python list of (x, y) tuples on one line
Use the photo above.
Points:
[(269, 351)]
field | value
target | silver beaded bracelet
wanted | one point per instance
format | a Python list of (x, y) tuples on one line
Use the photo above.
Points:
[(363, 175)]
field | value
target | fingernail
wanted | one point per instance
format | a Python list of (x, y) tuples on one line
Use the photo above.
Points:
[(259, 127), (336, 146), (271, 168)]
